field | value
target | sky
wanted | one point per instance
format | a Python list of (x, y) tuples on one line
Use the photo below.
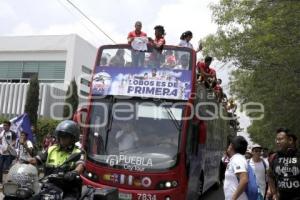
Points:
[(116, 18)]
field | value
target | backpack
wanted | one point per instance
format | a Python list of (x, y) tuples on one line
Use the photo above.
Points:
[(260, 196), (252, 188)]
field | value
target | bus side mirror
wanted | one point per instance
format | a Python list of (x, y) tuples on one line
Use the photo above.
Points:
[(80, 116)]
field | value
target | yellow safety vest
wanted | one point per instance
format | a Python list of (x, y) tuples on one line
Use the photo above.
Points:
[(57, 157)]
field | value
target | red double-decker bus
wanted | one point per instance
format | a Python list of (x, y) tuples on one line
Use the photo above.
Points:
[(151, 130)]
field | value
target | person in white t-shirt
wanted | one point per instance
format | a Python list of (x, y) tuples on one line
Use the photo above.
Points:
[(185, 39), (24, 147), (236, 177), (8, 141), (259, 167)]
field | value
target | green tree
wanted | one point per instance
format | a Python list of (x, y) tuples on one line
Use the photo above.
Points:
[(32, 100), (71, 101), (262, 39), (45, 126)]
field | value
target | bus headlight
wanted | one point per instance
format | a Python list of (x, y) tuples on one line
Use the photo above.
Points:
[(167, 185), (91, 176)]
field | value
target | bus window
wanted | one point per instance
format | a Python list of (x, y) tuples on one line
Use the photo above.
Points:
[(168, 58)]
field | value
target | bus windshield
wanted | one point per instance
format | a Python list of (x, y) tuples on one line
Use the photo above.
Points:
[(138, 135)]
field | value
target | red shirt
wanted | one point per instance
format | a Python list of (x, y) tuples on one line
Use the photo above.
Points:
[(212, 71), (159, 42), (171, 59), (134, 34), (203, 66), (218, 88)]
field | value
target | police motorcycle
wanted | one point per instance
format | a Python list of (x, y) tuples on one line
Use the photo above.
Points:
[(23, 182)]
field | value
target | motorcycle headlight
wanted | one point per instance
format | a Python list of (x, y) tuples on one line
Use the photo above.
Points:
[(24, 193), (10, 189)]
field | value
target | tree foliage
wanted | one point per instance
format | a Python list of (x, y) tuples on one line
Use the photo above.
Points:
[(262, 37), (45, 126), (32, 100), (71, 102)]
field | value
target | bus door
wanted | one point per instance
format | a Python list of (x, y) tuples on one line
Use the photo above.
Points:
[(195, 157)]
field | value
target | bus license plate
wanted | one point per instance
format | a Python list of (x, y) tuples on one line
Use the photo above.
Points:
[(146, 196), (125, 196)]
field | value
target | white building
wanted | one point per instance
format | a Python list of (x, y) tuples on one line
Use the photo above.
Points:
[(56, 60)]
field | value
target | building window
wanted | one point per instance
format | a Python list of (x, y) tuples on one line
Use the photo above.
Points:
[(85, 82), (86, 69), (47, 71), (29, 75), (83, 93)]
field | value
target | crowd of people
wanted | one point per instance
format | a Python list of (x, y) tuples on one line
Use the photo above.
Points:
[(140, 42), (276, 174)]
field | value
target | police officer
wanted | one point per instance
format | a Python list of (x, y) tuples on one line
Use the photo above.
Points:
[(67, 133)]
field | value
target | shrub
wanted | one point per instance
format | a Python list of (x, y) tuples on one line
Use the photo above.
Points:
[(2, 119), (45, 126)]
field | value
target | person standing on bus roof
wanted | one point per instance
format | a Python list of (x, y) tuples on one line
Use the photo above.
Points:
[(185, 39), (137, 56), (203, 68), (236, 177), (157, 44), (159, 40)]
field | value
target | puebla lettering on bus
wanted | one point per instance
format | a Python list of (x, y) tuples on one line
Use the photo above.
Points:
[(132, 160)]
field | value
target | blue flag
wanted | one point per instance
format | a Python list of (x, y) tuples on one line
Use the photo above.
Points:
[(22, 123)]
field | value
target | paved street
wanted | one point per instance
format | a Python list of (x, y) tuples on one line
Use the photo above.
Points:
[(214, 194), (209, 195)]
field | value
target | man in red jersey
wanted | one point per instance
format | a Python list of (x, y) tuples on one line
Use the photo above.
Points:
[(203, 68), (138, 41), (207, 74)]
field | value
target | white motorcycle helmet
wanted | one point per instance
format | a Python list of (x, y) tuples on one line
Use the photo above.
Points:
[(22, 179)]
